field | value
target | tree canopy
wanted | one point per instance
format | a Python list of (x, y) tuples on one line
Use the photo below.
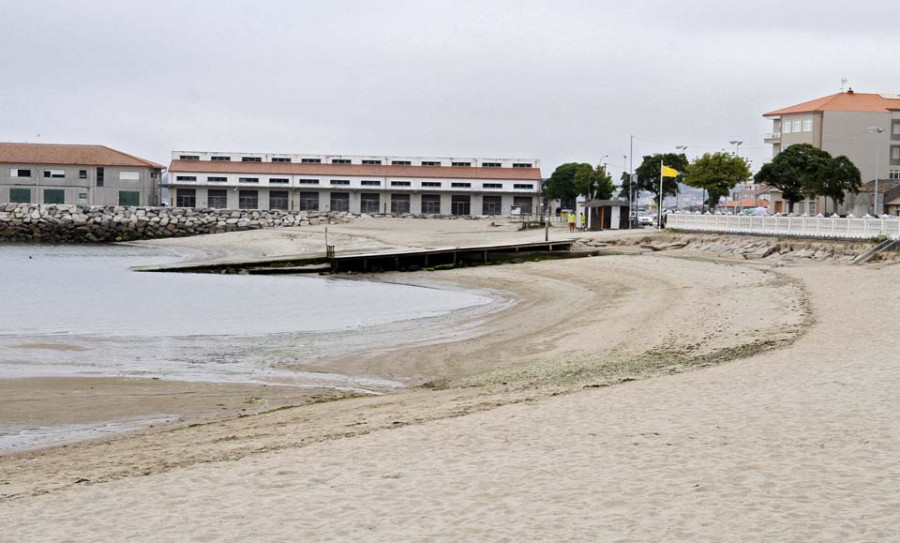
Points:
[(561, 184), (593, 183), (802, 170), (648, 173), (717, 173)]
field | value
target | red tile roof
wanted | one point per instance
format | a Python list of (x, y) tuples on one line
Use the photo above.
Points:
[(747, 202), (842, 101), (68, 154), (353, 170)]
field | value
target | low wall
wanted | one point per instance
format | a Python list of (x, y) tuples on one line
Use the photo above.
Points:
[(78, 223), (90, 224), (864, 228)]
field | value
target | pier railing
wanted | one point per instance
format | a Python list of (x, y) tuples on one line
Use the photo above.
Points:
[(812, 227)]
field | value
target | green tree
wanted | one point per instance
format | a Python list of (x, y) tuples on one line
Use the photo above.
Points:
[(593, 183), (561, 185), (840, 177), (717, 173), (626, 184), (799, 171), (648, 173)]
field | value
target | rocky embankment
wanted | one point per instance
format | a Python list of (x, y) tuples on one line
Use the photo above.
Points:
[(78, 224), (753, 247)]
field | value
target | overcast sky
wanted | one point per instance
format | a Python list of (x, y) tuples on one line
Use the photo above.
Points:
[(556, 80)]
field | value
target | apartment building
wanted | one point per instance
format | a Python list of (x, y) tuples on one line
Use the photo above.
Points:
[(864, 127), (39, 173), (356, 184)]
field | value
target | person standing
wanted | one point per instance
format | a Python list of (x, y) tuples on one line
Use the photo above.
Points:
[(581, 218), (571, 221)]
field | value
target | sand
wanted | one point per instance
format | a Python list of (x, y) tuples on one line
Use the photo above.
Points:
[(794, 439)]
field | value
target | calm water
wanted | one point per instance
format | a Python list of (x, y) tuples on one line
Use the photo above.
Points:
[(79, 310)]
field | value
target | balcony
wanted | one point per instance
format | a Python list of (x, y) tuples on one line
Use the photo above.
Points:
[(772, 137)]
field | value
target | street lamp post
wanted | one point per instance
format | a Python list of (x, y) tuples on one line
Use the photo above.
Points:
[(876, 130), (737, 148)]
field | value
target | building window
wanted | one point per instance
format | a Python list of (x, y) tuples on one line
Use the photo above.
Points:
[(797, 126), (217, 179), (82, 196), (807, 125), (248, 180), (401, 184), (186, 178), (340, 182), (251, 159), (217, 198), (309, 201), (523, 203), (461, 164), (189, 157), (129, 198), (311, 160), (491, 205), (278, 199), (460, 185), (278, 181), (371, 162), (341, 161), (431, 163), (490, 164), (101, 174), (369, 202), (82, 174), (371, 183), (54, 174), (340, 201), (399, 203), (894, 174), (895, 154), (186, 197), (492, 185), (221, 159), (401, 163), (54, 196), (248, 199), (460, 204), (282, 159), (15, 172), (431, 184), (521, 186), (20, 196), (895, 130), (431, 204), (786, 127), (523, 165), (307, 181)]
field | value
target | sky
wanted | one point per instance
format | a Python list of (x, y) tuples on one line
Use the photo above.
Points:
[(560, 81)]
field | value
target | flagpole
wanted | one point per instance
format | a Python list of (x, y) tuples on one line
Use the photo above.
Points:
[(659, 209)]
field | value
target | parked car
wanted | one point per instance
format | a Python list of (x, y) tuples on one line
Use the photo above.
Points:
[(645, 220)]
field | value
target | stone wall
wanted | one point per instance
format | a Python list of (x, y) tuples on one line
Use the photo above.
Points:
[(78, 223), (90, 224)]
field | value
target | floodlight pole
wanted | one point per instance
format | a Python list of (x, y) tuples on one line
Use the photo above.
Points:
[(876, 130)]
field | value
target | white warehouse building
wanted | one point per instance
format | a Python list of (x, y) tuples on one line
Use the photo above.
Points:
[(356, 184)]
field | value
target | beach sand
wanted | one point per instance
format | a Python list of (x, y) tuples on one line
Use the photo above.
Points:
[(521, 438)]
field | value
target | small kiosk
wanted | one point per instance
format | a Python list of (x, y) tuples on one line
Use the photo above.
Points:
[(606, 214)]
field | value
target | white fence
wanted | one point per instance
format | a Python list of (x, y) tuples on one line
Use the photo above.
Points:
[(815, 227)]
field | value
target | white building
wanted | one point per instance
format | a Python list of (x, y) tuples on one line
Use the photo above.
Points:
[(357, 184)]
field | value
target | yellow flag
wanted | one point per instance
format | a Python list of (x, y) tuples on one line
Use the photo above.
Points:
[(669, 172)]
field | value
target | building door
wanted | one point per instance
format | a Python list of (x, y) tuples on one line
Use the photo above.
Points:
[(399, 203), (491, 205), (431, 204), (340, 201), (369, 202), (523, 203), (461, 204)]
